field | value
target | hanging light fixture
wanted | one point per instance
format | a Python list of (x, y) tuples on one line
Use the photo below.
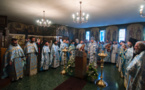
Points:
[(80, 17), (44, 22)]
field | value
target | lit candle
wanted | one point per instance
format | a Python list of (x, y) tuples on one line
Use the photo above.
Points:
[(37, 21), (77, 13), (73, 16)]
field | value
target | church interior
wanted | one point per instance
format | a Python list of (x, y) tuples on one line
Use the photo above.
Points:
[(72, 45)]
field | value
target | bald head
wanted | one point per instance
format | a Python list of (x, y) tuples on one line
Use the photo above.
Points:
[(139, 47), (81, 42)]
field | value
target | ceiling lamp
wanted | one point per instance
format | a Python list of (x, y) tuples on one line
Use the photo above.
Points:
[(80, 17), (44, 22), (141, 11)]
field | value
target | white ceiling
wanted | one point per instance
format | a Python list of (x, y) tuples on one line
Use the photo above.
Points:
[(102, 12)]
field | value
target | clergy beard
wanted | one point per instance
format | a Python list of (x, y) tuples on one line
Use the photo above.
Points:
[(129, 46), (137, 51), (32, 41), (14, 44)]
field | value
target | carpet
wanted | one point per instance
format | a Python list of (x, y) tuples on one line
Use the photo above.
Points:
[(72, 84), (4, 82)]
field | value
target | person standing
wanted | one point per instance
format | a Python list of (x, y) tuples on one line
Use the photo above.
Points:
[(108, 51), (45, 59), (129, 56), (62, 46), (119, 57), (58, 43), (72, 50), (92, 53), (86, 46), (136, 68), (100, 47), (114, 52), (79, 45), (123, 59), (55, 60), (31, 52), (76, 42), (14, 60), (39, 45)]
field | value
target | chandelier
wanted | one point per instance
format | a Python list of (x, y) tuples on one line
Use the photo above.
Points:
[(44, 22), (80, 17), (141, 11)]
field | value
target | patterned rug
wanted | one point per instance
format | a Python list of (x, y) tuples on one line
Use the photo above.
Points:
[(72, 84)]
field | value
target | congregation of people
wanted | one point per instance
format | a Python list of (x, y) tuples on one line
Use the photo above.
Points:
[(39, 56)]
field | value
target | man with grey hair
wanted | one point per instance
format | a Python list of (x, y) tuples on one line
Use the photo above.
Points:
[(80, 44), (136, 68), (129, 56), (76, 42)]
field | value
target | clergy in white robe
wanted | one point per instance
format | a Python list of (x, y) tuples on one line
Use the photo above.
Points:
[(14, 60), (136, 69), (123, 60), (118, 57), (114, 52), (79, 45), (129, 56), (120, 50), (55, 55), (62, 46), (45, 56), (72, 50), (31, 52), (107, 47), (92, 48)]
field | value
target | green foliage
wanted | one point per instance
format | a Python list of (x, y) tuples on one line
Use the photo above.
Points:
[(92, 73), (70, 68)]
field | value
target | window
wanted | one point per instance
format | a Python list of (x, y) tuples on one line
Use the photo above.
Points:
[(121, 35), (102, 35), (88, 35)]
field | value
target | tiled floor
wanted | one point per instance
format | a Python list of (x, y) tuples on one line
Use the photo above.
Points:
[(48, 80)]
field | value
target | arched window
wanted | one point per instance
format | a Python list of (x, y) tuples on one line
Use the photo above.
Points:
[(102, 35), (122, 35), (88, 35)]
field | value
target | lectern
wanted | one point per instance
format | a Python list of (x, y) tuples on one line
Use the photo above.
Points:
[(80, 64)]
